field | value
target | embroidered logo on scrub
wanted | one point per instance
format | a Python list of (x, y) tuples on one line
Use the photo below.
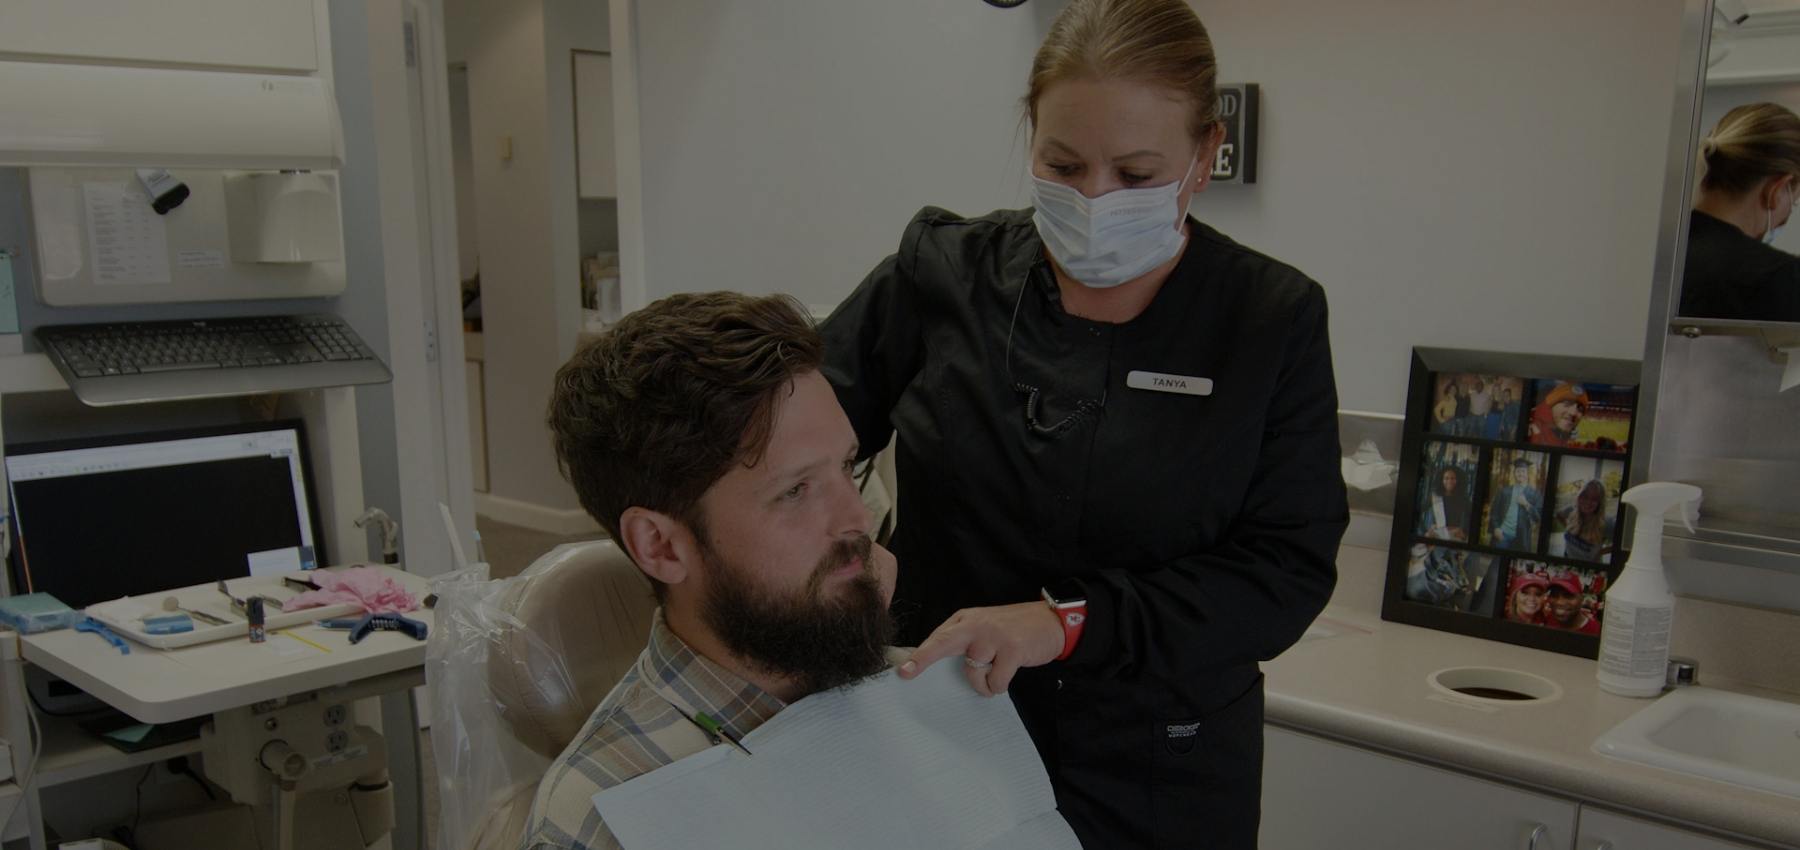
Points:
[(1180, 737)]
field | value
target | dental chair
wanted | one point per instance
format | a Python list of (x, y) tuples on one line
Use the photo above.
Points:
[(580, 617)]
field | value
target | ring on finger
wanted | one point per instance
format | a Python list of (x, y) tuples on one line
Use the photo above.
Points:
[(978, 665)]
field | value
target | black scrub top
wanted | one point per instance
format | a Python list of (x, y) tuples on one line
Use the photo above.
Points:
[(1203, 528), (1733, 275)]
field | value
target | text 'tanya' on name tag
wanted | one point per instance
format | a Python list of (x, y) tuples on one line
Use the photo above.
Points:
[(1166, 383)]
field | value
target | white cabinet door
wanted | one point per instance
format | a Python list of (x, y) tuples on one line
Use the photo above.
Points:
[(594, 126), (1326, 795), (260, 34), (1604, 830)]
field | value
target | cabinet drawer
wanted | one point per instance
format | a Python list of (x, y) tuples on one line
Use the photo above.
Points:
[(1330, 796)]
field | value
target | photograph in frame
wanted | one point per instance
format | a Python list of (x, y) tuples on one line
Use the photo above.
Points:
[(1581, 415), (1554, 597), (1584, 522), (1447, 490), (1469, 404), (1452, 578), (1513, 510)]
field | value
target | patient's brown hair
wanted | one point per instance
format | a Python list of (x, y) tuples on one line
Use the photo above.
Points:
[(657, 408)]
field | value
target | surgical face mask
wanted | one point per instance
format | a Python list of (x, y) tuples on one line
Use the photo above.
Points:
[(1103, 242), (1769, 234)]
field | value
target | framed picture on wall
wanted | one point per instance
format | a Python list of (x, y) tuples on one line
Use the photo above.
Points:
[(1507, 523)]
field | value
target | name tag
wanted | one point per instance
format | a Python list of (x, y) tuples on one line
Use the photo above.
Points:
[(1166, 383)]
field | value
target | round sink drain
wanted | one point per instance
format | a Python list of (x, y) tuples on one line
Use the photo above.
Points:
[(1495, 685), (1492, 693)]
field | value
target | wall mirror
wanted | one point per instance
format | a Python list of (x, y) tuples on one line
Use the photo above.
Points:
[(1724, 388), (1740, 261)]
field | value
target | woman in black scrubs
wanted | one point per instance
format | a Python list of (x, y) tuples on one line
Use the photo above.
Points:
[(1104, 405), (1733, 270)]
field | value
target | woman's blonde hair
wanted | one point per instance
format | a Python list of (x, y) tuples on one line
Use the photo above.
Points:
[(1161, 42), (1752, 143), (1591, 527)]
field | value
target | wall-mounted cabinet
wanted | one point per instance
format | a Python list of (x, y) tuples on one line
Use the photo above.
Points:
[(596, 175)]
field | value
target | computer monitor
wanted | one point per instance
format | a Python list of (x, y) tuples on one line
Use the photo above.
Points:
[(102, 518)]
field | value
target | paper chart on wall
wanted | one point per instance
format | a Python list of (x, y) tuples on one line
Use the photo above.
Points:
[(886, 764), (128, 243)]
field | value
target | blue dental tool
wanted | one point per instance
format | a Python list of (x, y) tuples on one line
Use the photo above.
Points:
[(91, 625), (387, 623)]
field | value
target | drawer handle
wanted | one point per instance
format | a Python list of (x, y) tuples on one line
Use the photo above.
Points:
[(1538, 833)]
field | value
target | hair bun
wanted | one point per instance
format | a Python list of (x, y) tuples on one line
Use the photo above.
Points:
[(1709, 146)]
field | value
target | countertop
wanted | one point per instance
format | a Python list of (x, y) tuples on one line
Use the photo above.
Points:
[(1368, 685)]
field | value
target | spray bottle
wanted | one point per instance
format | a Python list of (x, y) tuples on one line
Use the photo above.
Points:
[(1640, 610)]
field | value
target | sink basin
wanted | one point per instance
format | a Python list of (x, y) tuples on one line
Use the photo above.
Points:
[(1730, 737)]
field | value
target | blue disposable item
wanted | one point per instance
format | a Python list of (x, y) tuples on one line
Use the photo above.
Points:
[(89, 624), (387, 623), (340, 623), (168, 624), (31, 613)]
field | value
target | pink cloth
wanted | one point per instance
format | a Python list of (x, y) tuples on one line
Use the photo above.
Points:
[(369, 587)]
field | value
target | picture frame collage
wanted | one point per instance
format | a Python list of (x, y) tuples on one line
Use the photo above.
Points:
[(1508, 523)]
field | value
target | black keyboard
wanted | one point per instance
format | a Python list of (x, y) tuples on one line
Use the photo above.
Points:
[(128, 362)]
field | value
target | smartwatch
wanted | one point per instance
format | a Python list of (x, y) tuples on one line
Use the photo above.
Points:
[(1068, 599)]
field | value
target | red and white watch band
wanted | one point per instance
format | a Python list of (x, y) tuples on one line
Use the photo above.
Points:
[(1073, 616)]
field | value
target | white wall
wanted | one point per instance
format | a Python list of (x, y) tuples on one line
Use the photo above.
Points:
[(785, 145), (1467, 174), (1464, 174)]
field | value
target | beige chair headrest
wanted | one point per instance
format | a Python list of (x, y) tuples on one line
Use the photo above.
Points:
[(582, 615)]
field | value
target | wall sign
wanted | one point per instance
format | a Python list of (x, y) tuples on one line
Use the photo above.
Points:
[(1238, 108)]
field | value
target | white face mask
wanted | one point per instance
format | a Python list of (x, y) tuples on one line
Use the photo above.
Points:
[(1769, 234), (1105, 241)]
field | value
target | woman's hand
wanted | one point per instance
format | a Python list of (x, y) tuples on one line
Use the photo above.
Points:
[(994, 643)]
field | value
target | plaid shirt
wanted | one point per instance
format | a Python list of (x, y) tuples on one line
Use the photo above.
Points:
[(635, 731)]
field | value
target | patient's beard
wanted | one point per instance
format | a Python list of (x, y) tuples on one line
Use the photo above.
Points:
[(815, 642)]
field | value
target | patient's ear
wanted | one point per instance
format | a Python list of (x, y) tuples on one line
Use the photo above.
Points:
[(662, 547)]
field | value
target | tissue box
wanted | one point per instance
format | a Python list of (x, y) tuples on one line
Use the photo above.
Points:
[(36, 612)]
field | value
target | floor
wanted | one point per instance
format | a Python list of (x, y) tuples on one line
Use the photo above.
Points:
[(509, 549)]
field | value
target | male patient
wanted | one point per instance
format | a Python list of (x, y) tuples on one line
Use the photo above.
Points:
[(700, 434)]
